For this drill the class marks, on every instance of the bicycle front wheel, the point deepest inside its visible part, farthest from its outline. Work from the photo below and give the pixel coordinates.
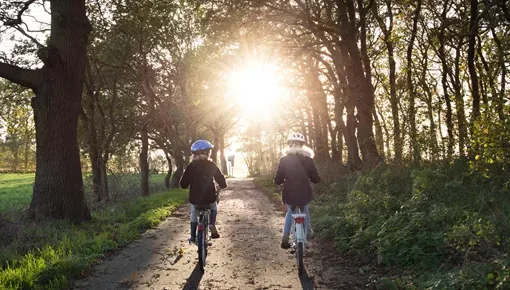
(299, 256)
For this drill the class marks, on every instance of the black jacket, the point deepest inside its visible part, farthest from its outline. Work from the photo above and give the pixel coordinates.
(199, 176)
(295, 171)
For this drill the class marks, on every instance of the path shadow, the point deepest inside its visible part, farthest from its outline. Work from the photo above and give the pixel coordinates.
(194, 279)
(306, 281)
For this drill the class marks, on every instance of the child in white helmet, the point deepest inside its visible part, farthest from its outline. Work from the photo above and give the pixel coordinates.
(295, 171)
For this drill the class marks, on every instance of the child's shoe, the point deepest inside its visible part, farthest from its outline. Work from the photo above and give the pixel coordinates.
(193, 237)
(285, 241)
(214, 232)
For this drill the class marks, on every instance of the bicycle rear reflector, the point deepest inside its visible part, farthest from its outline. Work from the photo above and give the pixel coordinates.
(300, 220)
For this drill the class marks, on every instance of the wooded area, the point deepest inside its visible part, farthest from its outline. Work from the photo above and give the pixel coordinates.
(106, 87)
(368, 82)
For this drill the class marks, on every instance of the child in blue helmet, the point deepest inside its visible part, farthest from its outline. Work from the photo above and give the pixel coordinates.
(199, 176)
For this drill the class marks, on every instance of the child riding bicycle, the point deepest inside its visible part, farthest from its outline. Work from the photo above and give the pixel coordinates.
(295, 171)
(199, 176)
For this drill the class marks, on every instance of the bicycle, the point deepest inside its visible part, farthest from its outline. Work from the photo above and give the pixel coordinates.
(203, 235)
(298, 232)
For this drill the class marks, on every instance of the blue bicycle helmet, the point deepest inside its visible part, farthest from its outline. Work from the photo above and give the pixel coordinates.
(201, 145)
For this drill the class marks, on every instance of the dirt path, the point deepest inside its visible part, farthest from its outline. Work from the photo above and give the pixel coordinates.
(247, 256)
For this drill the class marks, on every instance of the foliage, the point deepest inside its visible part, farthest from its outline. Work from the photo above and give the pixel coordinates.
(17, 150)
(491, 138)
(440, 226)
(48, 255)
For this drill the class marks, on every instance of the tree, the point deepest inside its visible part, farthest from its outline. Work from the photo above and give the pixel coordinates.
(58, 188)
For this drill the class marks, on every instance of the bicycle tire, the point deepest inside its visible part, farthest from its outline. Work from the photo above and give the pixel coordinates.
(299, 257)
(204, 245)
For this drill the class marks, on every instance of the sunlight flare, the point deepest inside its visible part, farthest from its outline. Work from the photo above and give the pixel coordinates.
(256, 88)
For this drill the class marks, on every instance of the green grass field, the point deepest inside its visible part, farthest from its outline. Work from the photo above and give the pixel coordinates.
(16, 188)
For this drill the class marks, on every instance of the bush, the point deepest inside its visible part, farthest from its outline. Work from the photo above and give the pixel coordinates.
(421, 219)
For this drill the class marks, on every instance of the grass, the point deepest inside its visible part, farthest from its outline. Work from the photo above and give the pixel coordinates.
(15, 191)
(16, 188)
(49, 255)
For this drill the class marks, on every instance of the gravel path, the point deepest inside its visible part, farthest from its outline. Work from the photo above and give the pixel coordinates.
(247, 256)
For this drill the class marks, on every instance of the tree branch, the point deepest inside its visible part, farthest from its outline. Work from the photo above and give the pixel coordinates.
(26, 77)
(39, 45)
(17, 20)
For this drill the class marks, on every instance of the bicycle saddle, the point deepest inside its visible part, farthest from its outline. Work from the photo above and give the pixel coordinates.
(301, 207)
(202, 207)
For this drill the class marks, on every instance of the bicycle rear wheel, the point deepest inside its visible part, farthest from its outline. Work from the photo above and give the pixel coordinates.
(299, 257)
(202, 244)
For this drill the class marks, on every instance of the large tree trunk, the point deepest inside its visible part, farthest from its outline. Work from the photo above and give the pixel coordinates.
(58, 188)
(144, 164)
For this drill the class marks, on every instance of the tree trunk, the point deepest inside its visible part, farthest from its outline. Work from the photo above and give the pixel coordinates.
(26, 153)
(394, 102)
(379, 137)
(316, 96)
(96, 173)
(459, 102)
(58, 188)
(362, 93)
(223, 159)
(368, 73)
(104, 178)
(144, 164)
(473, 31)
(444, 83)
(169, 172)
(216, 144)
(353, 160)
(410, 87)
(179, 163)
(311, 129)
(501, 61)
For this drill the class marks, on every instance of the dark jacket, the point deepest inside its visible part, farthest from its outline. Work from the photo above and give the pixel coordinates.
(295, 171)
(199, 176)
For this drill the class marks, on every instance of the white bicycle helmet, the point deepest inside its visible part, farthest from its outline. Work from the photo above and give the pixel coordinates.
(296, 137)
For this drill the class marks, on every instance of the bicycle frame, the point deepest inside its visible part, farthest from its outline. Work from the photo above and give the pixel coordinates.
(298, 226)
